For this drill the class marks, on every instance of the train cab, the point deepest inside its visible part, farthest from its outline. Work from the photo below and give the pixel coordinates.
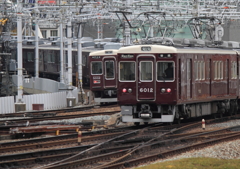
(103, 78)
(147, 83)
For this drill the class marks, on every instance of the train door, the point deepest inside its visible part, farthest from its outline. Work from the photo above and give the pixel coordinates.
(110, 73)
(209, 76)
(179, 79)
(146, 78)
(189, 78)
(227, 74)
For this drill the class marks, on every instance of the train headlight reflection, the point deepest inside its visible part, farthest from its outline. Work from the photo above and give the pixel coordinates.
(124, 90)
(163, 90)
(129, 90)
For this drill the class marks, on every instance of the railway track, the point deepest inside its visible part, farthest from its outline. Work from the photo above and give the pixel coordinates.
(49, 113)
(118, 148)
(122, 140)
(6, 123)
(40, 143)
(140, 149)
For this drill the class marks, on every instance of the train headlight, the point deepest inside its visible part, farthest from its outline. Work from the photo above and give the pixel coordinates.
(124, 90)
(168, 90)
(129, 90)
(163, 90)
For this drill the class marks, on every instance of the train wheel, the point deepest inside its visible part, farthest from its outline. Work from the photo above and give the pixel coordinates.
(136, 123)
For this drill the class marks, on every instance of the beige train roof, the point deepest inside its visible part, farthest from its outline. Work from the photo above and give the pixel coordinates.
(169, 49)
(207, 50)
(103, 52)
(154, 49)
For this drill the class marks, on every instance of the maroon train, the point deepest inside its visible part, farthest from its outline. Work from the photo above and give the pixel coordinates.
(103, 77)
(162, 83)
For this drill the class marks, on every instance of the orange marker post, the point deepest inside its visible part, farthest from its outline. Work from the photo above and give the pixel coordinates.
(57, 132)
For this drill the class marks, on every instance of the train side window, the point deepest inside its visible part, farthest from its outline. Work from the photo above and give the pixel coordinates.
(199, 70)
(221, 70)
(109, 66)
(196, 69)
(234, 70)
(218, 70)
(203, 70)
(146, 71)
(127, 71)
(96, 68)
(165, 71)
(215, 70)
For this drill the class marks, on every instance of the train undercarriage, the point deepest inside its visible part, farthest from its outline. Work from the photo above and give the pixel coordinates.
(148, 113)
(106, 96)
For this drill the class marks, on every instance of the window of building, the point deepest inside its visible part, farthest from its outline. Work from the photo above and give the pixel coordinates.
(30, 56)
(44, 34)
(53, 33)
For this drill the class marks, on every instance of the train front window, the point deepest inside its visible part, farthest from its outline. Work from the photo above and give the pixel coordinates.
(96, 68)
(127, 71)
(109, 65)
(146, 71)
(165, 71)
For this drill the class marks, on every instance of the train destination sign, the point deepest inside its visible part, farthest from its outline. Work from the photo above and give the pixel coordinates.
(126, 56)
(95, 57)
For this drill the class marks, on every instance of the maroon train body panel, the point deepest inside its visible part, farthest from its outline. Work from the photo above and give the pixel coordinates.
(103, 78)
(172, 83)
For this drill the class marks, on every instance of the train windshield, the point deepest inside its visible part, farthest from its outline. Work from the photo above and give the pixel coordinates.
(127, 71)
(109, 65)
(165, 71)
(96, 68)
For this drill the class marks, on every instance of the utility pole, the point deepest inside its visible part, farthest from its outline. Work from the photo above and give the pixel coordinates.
(81, 92)
(36, 40)
(71, 100)
(19, 104)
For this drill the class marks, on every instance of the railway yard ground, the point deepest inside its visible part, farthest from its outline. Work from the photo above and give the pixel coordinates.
(110, 144)
(224, 155)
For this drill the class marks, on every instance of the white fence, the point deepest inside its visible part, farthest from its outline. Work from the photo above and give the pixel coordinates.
(7, 105)
(50, 96)
(49, 100)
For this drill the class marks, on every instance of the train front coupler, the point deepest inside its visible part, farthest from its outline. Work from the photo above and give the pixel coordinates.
(145, 111)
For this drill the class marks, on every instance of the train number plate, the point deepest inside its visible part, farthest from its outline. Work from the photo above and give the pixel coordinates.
(145, 115)
(149, 90)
